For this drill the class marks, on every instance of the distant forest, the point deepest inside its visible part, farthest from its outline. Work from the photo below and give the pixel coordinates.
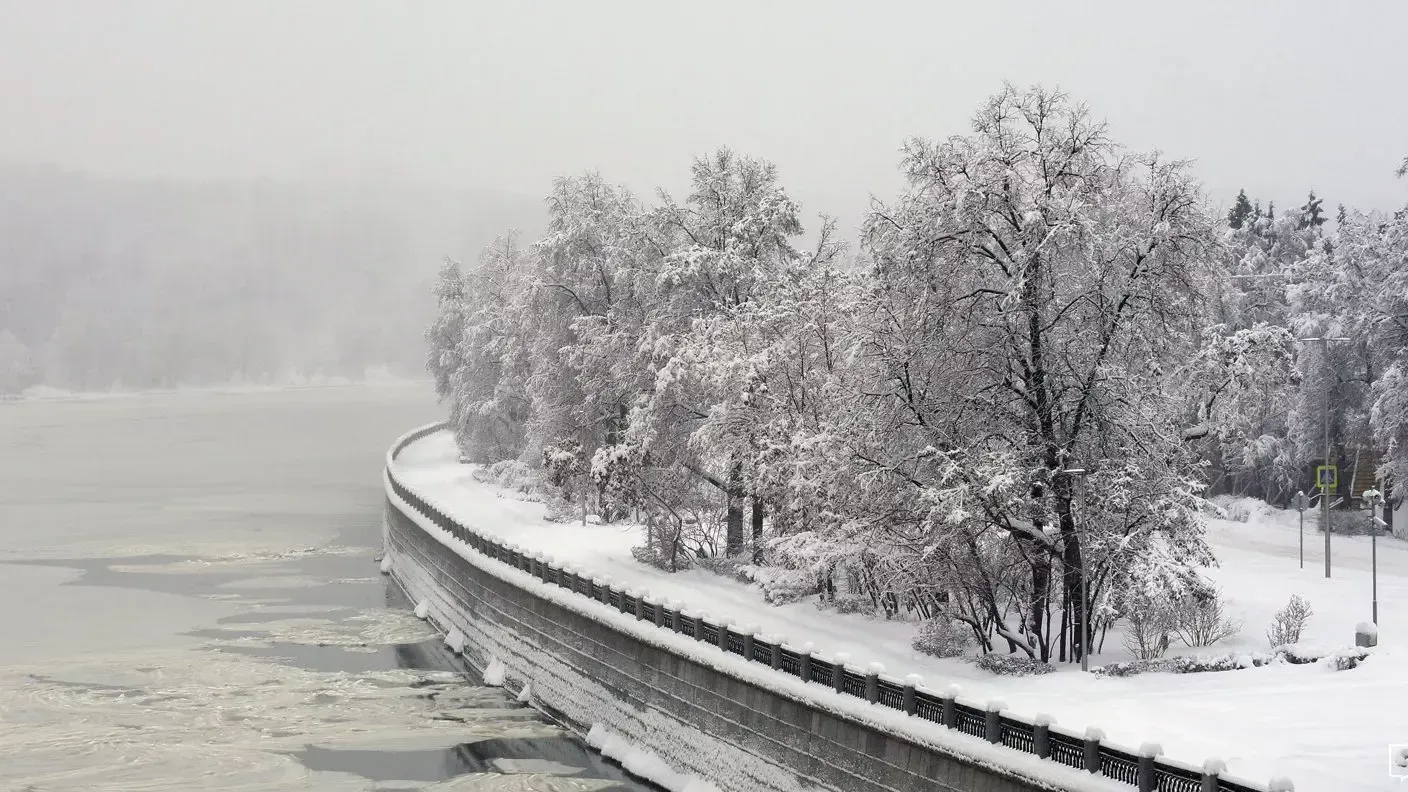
(110, 283)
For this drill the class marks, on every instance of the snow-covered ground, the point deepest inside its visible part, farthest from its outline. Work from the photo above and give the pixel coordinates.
(1329, 731)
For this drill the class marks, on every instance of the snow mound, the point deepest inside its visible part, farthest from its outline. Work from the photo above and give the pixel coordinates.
(455, 640)
(642, 763)
(494, 674)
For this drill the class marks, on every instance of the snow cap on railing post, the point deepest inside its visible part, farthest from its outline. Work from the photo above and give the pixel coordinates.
(1093, 736)
(950, 706)
(1213, 768)
(1041, 734)
(838, 671)
(872, 681)
(992, 728)
(908, 699)
(1280, 784)
(1145, 777)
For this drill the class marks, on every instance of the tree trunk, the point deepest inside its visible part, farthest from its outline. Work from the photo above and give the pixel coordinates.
(734, 519)
(1072, 561)
(757, 531)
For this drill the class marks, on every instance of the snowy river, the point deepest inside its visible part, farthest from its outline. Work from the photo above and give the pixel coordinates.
(189, 599)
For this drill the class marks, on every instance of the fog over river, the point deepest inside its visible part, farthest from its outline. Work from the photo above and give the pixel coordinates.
(191, 601)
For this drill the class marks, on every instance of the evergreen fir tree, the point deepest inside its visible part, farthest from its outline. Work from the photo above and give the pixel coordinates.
(1241, 210)
(1311, 214)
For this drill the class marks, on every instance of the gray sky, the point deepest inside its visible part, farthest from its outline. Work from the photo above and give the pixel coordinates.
(1277, 96)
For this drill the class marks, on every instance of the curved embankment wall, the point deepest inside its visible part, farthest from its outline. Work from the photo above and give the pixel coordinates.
(710, 703)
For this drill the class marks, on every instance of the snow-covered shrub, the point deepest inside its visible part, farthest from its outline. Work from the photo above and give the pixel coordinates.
(1233, 508)
(1130, 668)
(1344, 659)
(1346, 523)
(780, 586)
(1012, 665)
(1289, 622)
(1340, 660)
(1187, 664)
(853, 604)
(1147, 628)
(942, 637)
(561, 510)
(1201, 619)
(724, 566)
(511, 476)
(655, 555)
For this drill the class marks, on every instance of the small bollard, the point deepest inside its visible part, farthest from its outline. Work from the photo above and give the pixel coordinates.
(838, 672)
(640, 605)
(1144, 774)
(675, 615)
(804, 663)
(776, 657)
(992, 729)
(950, 709)
(1366, 635)
(1213, 769)
(723, 634)
(659, 613)
(748, 640)
(1093, 736)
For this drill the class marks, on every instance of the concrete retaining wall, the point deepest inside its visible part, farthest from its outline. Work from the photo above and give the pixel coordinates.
(740, 736)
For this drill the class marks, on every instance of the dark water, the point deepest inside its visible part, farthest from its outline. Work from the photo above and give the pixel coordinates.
(195, 603)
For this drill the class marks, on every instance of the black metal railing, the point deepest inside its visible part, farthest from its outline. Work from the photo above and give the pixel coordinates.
(1059, 746)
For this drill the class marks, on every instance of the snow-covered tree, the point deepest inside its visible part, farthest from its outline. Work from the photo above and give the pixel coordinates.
(1357, 290)
(583, 316)
(722, 247)
(1036, 288)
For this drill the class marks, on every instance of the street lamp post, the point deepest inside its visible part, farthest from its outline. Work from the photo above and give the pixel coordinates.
(1301, 502)
(1373, 497)
(1324, 487)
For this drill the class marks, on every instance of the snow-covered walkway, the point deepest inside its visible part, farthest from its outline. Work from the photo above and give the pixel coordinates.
(1329, 731)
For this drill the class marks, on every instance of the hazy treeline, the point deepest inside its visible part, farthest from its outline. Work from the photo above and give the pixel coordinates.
(113, 283)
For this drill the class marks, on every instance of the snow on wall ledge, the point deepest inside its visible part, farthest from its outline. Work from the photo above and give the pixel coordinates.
(734, 724)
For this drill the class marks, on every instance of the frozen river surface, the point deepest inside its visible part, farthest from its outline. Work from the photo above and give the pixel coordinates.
(189, 599)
